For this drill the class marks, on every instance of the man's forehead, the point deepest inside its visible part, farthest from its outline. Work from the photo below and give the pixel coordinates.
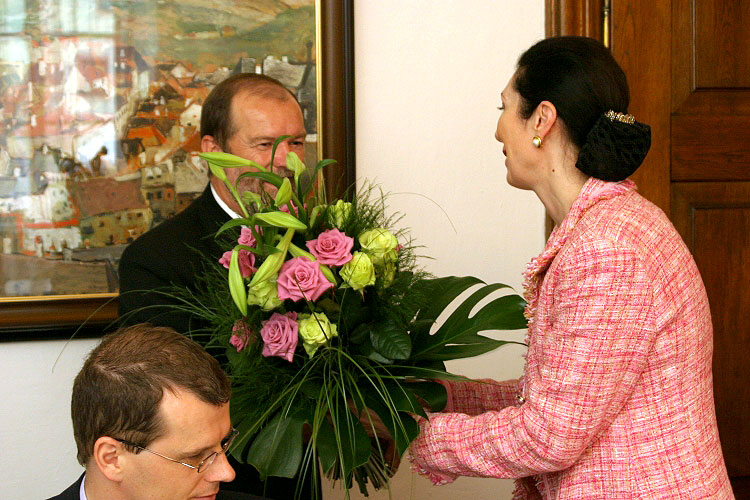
(184, 413)
(252, 108)
(257, 100)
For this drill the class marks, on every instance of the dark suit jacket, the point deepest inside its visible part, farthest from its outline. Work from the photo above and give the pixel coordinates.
(73, 493)
(172, 253)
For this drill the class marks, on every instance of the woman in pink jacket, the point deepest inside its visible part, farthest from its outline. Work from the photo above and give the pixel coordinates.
(616, 400)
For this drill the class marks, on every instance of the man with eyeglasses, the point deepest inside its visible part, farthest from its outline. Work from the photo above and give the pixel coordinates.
(150, 412)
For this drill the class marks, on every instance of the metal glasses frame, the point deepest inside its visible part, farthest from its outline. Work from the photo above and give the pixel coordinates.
(204, 464)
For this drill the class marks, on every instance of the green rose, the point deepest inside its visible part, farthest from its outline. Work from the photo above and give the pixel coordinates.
(315, 330)
(380, 245)
(358, 272)
(340, 213)
(264, 294)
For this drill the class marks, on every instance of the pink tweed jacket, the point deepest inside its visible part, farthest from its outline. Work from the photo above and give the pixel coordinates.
(616, 401)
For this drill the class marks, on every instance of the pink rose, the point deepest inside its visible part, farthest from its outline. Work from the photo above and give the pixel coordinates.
(226, 259)
(246, 261)
(285, 208)
(279, 333)
(242, 335)
(301, 278)
(246, 236)
(332, 248)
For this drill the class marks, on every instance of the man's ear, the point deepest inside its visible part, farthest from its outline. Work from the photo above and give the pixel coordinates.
(109, 458)
(544, 118)
(209, 145)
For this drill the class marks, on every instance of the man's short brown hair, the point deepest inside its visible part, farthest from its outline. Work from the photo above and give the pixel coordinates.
(118, 391)
(216, 119)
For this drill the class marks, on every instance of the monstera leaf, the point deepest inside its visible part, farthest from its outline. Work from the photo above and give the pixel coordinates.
(458, 336)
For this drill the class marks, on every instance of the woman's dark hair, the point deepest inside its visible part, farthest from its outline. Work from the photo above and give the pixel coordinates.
(583, 81)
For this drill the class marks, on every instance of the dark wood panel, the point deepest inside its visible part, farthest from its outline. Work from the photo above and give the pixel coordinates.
(710, 60)
(709, 142)
(713, 102)
(741, 488)
(724, 275)
(646, 62)
(683, 82)
(579, 17)
(690, 196)
(710, 148)
(722, 56)
(714, 220)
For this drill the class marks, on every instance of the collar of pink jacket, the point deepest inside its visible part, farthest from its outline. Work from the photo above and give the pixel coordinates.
(592, 192)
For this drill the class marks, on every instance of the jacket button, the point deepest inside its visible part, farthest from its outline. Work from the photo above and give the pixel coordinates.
(521, 399)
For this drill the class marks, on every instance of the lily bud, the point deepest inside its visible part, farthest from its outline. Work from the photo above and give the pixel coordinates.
(280, 219)
(315, 213)
(218, 172)
(226, 160)
(295, 164)
(273, 262)
(236, 283)
(284, 194)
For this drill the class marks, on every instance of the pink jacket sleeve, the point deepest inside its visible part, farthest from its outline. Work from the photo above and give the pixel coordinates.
(593, 331)
(476, 397)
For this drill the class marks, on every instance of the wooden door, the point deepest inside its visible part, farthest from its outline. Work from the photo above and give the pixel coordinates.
(710, 195)
(688, 66)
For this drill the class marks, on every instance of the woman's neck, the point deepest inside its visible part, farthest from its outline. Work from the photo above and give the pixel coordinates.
(561, 186)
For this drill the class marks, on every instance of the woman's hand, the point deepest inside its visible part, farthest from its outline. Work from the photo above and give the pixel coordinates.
(386, 445)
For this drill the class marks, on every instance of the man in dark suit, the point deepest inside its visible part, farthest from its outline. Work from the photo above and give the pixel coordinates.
(150, 411)
(74, 493)
(243, 115)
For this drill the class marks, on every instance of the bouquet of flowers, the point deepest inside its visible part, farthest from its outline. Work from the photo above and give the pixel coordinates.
(326, 324)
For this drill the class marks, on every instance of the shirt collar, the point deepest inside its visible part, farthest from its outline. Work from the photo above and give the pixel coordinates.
(231, 213)
(82, 491)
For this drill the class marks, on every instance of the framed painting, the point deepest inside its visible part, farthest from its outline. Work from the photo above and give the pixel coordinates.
(100, 104)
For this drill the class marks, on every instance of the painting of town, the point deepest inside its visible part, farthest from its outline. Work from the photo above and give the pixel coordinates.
(100, 103)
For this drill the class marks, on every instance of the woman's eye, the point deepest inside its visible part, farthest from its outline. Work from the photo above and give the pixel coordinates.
(501, 108)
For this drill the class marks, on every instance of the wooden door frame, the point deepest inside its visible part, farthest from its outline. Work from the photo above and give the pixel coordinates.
(573, 17)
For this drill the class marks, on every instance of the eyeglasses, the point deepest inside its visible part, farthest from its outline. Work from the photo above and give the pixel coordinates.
(205, 463)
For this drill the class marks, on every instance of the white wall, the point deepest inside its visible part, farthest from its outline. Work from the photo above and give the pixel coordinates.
(38, 453)
(428, 80)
